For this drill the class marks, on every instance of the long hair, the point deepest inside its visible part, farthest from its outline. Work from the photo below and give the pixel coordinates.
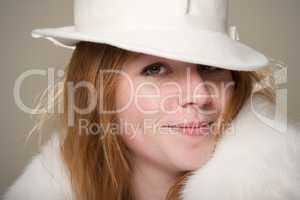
(100, 167)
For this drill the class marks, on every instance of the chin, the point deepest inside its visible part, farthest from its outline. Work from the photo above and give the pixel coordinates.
(191, 165)
(188, 159)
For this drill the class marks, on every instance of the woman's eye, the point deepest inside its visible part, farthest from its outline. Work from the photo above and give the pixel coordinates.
(207, 68)
(154, 69)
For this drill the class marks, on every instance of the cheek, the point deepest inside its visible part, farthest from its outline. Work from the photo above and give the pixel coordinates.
(139, 132)
(140, 136)
(225, 93)
(223, 90)
(143, 98)
(136, 119)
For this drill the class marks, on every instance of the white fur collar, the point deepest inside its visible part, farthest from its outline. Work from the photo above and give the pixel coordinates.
(252, 161)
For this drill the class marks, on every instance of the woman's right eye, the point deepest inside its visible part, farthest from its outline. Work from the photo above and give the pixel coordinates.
(154, 69)
(209, 69)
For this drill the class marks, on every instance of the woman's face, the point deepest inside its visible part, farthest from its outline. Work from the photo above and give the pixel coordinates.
(159, 100)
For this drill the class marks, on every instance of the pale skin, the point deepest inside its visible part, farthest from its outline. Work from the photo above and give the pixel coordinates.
(157, 92)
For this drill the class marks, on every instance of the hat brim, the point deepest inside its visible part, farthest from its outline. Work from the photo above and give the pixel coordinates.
(197, 46)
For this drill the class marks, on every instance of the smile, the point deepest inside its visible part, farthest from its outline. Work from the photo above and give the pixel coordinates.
(202, 129)
(198, 131)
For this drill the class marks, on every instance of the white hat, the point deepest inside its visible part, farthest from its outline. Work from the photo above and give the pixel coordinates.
(194, 31)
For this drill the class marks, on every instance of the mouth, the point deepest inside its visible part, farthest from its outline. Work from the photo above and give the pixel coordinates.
(192, 128)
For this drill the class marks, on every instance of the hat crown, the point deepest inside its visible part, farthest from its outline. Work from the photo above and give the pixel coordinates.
(193, 31)
(128, 14)
(208, 8)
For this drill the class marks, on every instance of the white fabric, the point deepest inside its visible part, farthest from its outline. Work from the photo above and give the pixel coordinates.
(254, 162)
(193, 31)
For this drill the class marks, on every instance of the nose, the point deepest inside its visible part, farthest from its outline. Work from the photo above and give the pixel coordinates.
(196, 92)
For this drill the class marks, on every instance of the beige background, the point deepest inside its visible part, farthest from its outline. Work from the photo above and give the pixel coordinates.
(271, 26)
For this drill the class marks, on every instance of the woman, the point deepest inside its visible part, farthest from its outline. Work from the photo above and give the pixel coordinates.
(159, 107)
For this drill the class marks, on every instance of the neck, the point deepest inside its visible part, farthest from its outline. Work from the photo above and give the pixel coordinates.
(151, 182)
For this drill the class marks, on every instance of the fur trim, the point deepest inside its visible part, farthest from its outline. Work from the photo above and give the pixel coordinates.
(252, 161)
(44, 178)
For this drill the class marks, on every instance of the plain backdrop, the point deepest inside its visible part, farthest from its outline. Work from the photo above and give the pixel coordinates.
(271, 26)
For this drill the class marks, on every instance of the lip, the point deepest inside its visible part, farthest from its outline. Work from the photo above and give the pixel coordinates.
(194, 128)
(193, 124)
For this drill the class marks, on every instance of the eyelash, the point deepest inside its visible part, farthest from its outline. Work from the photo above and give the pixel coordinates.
(208, 68)
(200, 68)
(146, 70)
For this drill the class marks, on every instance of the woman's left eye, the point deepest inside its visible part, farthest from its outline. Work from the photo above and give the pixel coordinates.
(207, 68)
(154, 69)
